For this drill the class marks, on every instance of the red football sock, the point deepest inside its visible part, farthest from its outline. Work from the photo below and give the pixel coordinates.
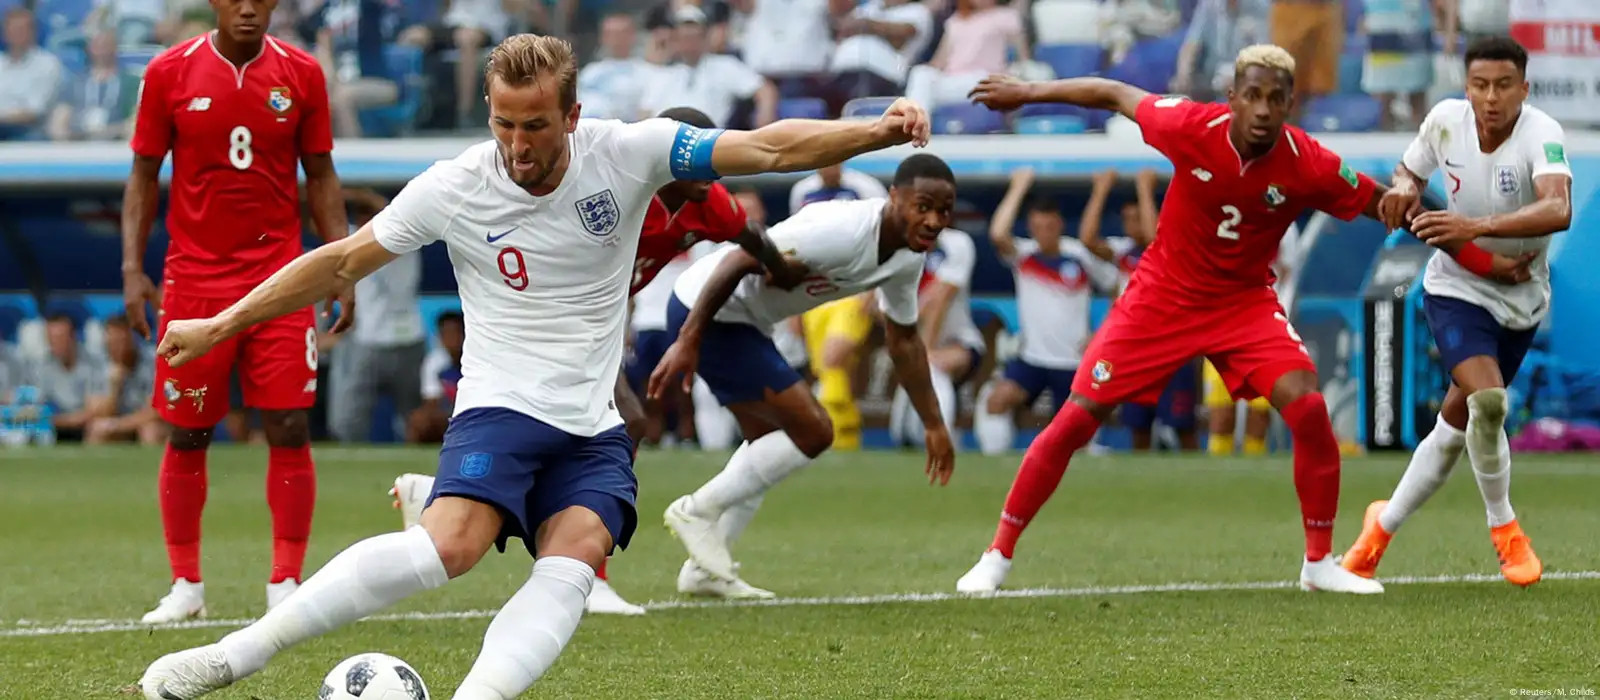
(1316, 470)
(183, 498)
(601, 572)
(292, 496)
(1042, 467)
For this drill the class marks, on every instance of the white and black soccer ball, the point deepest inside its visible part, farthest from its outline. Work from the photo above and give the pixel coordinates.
(373, 677)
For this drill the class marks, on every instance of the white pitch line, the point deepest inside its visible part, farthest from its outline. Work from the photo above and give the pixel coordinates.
(81, 627)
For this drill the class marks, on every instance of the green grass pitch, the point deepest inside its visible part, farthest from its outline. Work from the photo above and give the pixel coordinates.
(1146, 576)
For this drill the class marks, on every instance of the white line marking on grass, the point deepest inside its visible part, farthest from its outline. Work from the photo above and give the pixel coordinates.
(79, 627)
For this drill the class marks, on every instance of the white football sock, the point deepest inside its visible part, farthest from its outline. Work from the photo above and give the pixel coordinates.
(1430, 464)
(995, 431)
(1490, 452)
(527, 635)
(369, 576)
(750, 473)
(736, 518)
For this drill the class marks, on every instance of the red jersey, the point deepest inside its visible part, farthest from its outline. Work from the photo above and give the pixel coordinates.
(236, 135)
(667, 235)
(1222, 218)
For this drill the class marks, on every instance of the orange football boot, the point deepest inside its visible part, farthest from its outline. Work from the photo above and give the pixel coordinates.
(1518, 563)
(1363, 557)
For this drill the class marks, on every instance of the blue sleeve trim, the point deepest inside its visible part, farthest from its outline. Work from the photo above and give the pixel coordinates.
(691, 153)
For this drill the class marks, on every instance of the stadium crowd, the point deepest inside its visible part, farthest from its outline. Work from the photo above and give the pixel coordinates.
(70, 68)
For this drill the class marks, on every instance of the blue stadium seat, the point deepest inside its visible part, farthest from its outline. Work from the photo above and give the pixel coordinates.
(59, 15)
(1093, 119)
(1348, 113)
(404, 67)
(134, 59)
(11, 316)
(1160, 54)
(74, 61)
(802, 108)
(1070, 60)
(866, 107)
(967, 119)
(1051, 124)
(1351, 66)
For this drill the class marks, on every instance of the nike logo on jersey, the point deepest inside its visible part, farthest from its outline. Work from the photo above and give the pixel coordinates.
(492, 238)
(199, 104)
(1450, 164)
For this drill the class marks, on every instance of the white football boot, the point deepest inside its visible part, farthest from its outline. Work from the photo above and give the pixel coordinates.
(696, 581)
(186, 601)
(186, 675)
(410, 495)
(987, 576)
(1327, 575)
(280, 591)
(702, 538)
(604, 600)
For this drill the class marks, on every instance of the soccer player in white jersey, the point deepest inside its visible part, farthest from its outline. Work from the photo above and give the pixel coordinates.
(542, 224)
(1055, 280)
(719, 309)
(1509, 187)
(955, 345)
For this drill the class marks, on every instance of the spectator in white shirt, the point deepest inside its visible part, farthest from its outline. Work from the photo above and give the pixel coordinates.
(879, 42)
(29, 77)
(660, 20)
(131, 376)
(440, 373)
(611, 87)
(976, 39)
(786, 38)
(98, 105)
(712, 83)
(380, 354)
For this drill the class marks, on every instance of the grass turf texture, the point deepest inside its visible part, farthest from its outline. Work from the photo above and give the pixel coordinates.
(83, 542)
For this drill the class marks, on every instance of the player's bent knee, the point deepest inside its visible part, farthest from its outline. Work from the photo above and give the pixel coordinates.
(1099, 411)
(814, 434)
(1293, 386)
(1489, 406)
(576, 532)
(286, 428)
(462, 530)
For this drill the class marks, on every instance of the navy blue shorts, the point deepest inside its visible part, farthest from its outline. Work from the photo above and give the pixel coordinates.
(648, 347)
(1035, 379)
(1175, 408)
(738, 361)
(530, 471)
(1462, 329)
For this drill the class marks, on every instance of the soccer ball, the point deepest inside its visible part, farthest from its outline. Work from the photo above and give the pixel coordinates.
(373, 677)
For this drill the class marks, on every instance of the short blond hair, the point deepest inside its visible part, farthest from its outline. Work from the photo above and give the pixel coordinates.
(524, 58)
(1265, 56)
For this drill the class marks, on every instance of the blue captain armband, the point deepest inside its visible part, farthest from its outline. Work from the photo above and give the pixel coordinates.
(691, 153)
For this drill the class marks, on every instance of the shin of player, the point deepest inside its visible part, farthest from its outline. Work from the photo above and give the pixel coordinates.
(1510, 188)
(234, 219)
(510, 423)
(847, 248)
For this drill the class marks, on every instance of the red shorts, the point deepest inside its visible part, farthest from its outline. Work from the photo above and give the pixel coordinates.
(276, 363)
(1145, 339)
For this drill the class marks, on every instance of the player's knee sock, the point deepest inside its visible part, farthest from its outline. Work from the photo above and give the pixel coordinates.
(751, 471)
(1254, 446)
(1490, 452)
(182, 483)
(994, 431)
(1219, 445)
(292, 497)
(1042, 468)
(371, 575)
(1436, 455)
(736, 518)
(528, 634)
(1316, 470)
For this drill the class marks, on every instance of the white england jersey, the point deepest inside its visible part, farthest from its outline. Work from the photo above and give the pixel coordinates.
(1482, 184)
(1053, 295)
(544, 280)
(951, 261)
(838, 242)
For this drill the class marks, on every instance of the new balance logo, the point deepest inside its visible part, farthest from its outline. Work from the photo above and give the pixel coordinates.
(1201, 174)
(199, 104)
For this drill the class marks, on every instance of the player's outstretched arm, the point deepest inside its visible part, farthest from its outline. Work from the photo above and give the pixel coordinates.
(328, 216)
(310, 278)
(1398, 208)
(140, 198)
(1550, 213)
(1005, 215)
(781, 273)
(792, 145)
(681, 359)
(910, 359)
(1005, 93)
